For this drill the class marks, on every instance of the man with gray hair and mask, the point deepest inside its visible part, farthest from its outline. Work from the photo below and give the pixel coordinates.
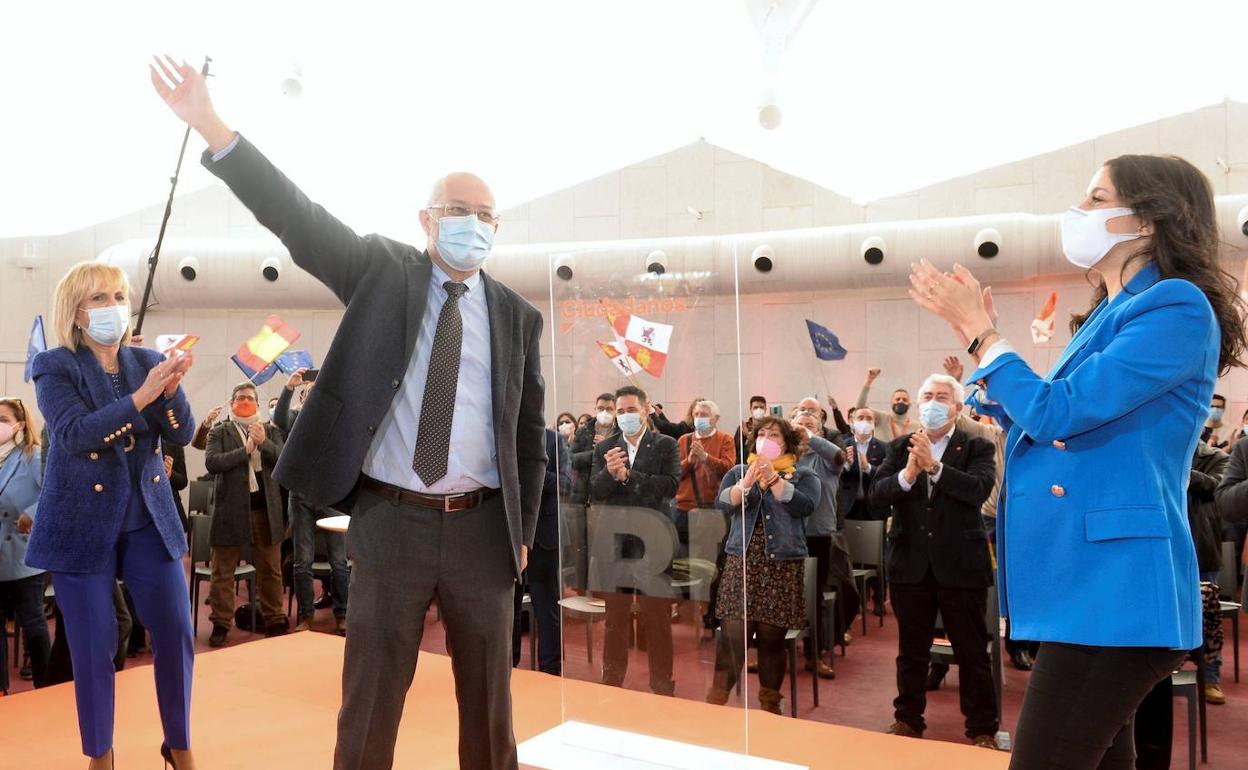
(431, 353)
(936, 479)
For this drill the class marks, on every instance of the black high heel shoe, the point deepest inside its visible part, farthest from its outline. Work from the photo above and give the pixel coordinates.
(167, 755)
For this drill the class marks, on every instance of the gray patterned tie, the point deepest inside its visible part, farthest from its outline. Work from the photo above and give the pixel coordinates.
(433, 437)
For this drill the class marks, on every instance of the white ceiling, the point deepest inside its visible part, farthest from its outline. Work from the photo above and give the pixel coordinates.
(878, 97)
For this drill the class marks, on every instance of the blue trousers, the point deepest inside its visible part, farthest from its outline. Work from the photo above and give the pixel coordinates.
(158, 585)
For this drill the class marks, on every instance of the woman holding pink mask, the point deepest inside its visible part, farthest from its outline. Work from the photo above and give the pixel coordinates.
(768, 500)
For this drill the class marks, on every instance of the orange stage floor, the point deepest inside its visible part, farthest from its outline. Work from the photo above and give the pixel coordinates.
(273, 704)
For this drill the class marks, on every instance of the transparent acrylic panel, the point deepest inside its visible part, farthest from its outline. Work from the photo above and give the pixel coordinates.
(642, 538)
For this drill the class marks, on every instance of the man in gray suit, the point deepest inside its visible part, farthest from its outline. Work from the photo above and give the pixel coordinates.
(431, 354)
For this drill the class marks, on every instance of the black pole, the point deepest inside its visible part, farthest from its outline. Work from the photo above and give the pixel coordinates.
(164, 222)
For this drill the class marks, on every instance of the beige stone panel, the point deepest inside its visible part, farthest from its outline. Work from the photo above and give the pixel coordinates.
(896, 209)
(550, 218)
(1138, 139)
(1019, 172)
(1201, 138)
(596, 228)
(691, 179)
(739, 197)
(835, 209)
(643, 208)
(598, 197)
(787, 218)
(1004, 200)
(948, 199)
(1062, 176)
(781, 189)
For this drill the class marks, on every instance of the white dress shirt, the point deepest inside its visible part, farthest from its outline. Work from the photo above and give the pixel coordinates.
(473, 460)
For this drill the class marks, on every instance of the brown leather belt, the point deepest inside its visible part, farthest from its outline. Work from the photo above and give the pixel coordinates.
(445, 503)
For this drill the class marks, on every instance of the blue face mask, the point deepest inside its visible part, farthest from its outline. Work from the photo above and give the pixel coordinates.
(933, 415)
(703, 424)
(1215, 413)
(629, 422)
(464, 242)
(107, 325)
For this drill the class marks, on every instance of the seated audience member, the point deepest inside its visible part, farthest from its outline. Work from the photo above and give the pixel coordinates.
(200, 441)
(936, 480)
(247, 511)
(823, 460)
(758, 410)
(761, 594)
(898, 422)
(21, 587)
(542, 575)
(1217, 433)
(636, 468)
(303, 518)
(585, 442)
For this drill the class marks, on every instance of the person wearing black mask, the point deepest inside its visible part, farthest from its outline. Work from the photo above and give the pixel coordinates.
(895, 423)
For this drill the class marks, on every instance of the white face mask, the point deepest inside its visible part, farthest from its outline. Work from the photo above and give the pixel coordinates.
(759, 414)
(107, 325)
(1085, 239)
(605, 418)
(567, 428)
(863, 428)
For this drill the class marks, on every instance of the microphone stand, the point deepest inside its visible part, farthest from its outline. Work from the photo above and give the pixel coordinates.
(164, 222)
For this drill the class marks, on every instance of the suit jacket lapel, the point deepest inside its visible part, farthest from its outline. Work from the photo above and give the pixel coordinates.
(500, 333)
(643, 449)
(10, 468)
(98, 385)
(416, 273)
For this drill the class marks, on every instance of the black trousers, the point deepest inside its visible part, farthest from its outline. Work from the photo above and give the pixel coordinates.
(962, 610)
(1154, 728)
(1081, 702)
(542, 580)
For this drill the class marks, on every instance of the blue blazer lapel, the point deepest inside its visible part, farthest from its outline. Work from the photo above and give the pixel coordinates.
(132, 372)
(10, 468)
(1148, 275)
(97, 382)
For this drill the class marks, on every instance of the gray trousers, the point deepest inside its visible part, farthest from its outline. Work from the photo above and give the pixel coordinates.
(405, 556)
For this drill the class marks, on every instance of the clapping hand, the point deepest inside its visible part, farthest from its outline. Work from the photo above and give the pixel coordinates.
(617, 464)
(181, 365)
(168, 465)
(921, 450)
(255, 436)
(697, 451)
(956, 297)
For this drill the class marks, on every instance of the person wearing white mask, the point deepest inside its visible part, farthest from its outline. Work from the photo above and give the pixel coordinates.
(432, 353)
(1100, 452)
(586, 440)
(706, 454)
(936, 481)
(636, 468)
(758, 410)
(1217, 433)
(106, 508)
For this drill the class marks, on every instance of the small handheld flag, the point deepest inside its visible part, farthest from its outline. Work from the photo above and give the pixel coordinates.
(37, 343)
(255, 357)
(170, 343)
(827, 346)
(1042, 327)
(293, 360)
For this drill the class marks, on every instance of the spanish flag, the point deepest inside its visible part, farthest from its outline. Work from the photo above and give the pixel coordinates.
(260, 351)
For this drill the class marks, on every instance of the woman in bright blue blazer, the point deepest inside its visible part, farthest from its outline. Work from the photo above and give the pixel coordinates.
(107, 510)
(1096, 560)
(21, 587)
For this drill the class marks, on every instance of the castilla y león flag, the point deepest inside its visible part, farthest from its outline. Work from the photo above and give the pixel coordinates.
(645, 342)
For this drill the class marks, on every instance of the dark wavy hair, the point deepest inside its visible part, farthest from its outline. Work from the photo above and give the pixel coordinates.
(1176, 198)
(792, 444)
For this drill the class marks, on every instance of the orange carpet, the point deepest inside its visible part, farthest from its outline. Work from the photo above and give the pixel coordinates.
(273, 704)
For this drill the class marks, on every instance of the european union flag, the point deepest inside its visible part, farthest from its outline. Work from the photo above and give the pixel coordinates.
(827, 346)
(37, 344)
(293, 360)
(257, 378)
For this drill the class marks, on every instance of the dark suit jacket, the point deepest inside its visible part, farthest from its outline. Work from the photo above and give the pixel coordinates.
(653, 475)
(226, 460)
(177, 479)
(384, 285)
(946, 531)
(558, 483)
(877, 453)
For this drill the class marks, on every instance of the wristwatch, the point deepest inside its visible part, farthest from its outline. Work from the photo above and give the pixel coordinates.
(935, 469)
(978, 343)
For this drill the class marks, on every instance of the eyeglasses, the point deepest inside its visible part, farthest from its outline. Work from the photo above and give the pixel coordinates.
(459, 210)
(241, 397)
